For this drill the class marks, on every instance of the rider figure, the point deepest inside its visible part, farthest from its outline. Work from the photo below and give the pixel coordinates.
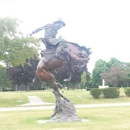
(50, 39)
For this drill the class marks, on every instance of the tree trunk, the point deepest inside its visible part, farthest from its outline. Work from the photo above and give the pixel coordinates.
(16, 87)
(68, 86)
(27, 87)
(0, 88)
(79, 86)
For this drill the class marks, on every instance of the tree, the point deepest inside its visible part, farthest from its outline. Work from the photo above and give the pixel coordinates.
(14, 48)
(113, 62)
(114, 77)
(125, 67)
(100, 67)
(4, 80)
(83, 79)
(23, 74)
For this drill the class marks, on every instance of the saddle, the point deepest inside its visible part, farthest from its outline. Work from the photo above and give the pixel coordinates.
(67, 52)
(48, 54)
(53, 51)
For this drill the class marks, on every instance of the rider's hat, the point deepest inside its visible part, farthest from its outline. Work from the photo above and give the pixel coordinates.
(60, 21)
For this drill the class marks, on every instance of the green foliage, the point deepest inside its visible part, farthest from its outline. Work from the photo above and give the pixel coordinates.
(126, 71)
(4, 80)
(127, 91)
(100, 67)
(113, 62)
(115, 73)
(95, 92)
(14, 48)
(111, 92)
(8, 27)
(83, 79)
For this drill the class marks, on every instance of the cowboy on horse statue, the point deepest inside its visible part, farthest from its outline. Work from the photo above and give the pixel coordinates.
(50, 39)
(59, 45)
(59, 53)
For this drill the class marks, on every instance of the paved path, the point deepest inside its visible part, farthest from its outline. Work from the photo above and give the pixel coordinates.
(35, 103)
(34, 100)
(52, 107)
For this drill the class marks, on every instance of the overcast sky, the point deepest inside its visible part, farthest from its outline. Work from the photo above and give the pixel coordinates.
(103, 25)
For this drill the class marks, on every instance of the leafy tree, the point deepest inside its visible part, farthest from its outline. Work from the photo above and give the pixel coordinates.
(23, 74)
(100, 67)
(83, 78)
(113, 62)
(125, 67)
(122, 70)
(4, 81)
(14, 48)
(114, 77)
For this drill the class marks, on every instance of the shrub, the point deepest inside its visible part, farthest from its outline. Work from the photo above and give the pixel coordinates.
(127, 91)
(95, 92)
(112, 92)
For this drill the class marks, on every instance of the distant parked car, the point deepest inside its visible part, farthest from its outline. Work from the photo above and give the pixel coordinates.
(88, 89)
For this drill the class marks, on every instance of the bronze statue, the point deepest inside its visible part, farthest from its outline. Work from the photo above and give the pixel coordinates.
(58, 53)
(51, 31)
(50, 62)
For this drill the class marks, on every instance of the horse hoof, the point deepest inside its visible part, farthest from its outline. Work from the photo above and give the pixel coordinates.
(33, 80)
(59, 85)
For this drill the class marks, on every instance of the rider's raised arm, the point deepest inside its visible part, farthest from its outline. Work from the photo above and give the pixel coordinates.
(41, 28)
(38, 29)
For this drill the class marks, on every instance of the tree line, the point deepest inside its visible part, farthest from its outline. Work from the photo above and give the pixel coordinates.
(114, 72)
(15, 50)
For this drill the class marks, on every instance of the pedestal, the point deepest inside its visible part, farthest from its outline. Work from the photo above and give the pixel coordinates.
(64, 110)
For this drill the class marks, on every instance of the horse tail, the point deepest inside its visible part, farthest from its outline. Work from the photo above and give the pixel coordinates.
(67, 80)
(36, 81)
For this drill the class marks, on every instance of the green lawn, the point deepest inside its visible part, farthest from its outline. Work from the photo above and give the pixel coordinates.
(78, 96)
(111, 118)
(104, 118)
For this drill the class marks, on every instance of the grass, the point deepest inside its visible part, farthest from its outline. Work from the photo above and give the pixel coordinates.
(78, 96)
(110, 118)
(104, 118)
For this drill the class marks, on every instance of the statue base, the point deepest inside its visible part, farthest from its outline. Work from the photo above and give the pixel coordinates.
(64, 110)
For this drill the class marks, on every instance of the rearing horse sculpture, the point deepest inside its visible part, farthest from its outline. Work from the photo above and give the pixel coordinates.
(46, 66)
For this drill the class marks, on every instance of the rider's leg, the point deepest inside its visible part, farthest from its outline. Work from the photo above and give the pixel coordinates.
(61, 49)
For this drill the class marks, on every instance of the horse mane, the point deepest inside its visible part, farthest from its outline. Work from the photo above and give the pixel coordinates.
(82, 47)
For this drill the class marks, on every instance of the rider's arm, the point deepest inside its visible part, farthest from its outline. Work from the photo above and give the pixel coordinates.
(38, 29)
(41, 28)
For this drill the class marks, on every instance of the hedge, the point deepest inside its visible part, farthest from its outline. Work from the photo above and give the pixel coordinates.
(127, 91)
(111, 92)
(95, 92)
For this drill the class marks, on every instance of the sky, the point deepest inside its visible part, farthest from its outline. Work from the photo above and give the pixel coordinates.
(102, 25)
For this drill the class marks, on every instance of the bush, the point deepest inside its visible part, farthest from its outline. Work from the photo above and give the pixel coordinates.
(95, 92)
(127, 91)
(112, 92)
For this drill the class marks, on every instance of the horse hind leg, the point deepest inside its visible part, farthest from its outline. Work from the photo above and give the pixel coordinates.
(49, 78)
(55, 88)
